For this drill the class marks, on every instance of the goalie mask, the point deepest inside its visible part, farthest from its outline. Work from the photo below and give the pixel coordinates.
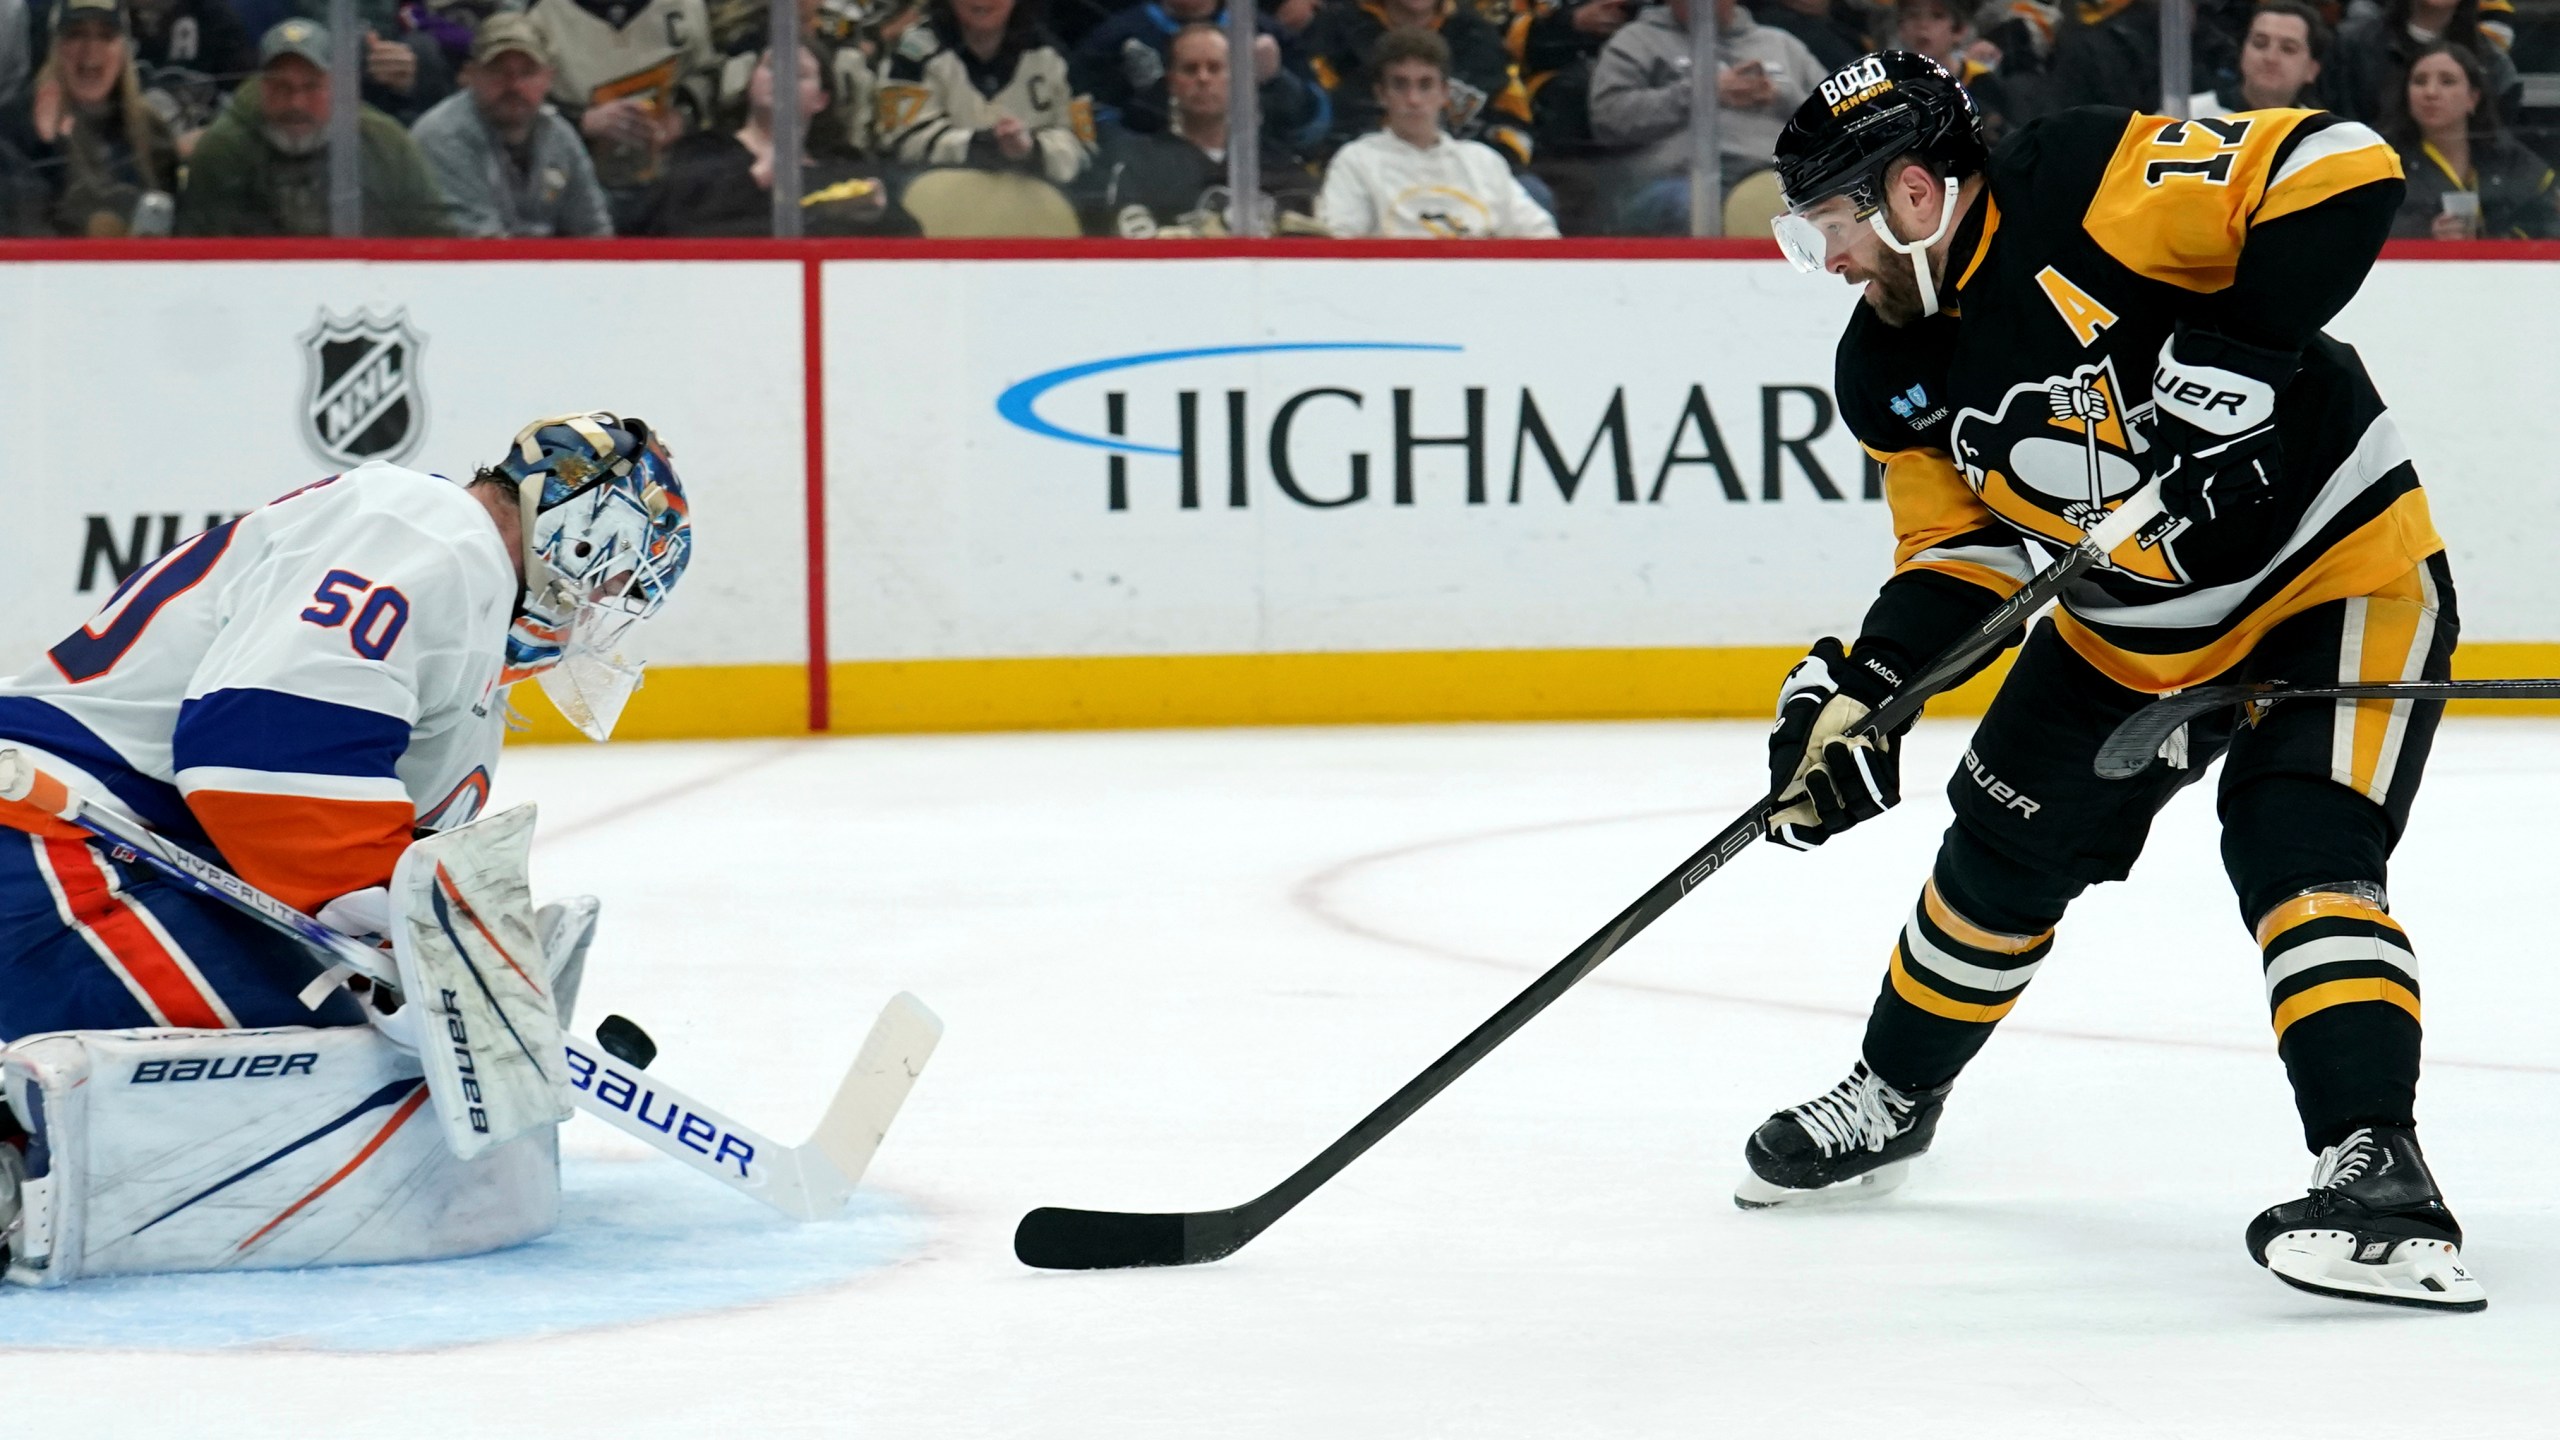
(1851, 130)
(606, 537)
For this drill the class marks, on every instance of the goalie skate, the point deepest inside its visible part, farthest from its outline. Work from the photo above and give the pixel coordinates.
(1855, 1141)
(2373, 1227)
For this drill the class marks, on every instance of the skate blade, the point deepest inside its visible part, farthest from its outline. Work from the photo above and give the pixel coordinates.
(2420, 1274)
(1755, 1193)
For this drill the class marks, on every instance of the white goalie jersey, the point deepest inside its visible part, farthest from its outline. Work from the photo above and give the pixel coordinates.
(302, 687)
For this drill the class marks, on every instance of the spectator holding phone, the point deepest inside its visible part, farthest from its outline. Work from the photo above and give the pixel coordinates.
(2469, 178)
(1640, 99)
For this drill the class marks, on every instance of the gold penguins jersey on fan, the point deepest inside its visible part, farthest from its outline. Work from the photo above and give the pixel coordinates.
(2009, 423)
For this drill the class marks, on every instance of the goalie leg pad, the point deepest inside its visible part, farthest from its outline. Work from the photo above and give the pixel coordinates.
(175, 1151)
(470, 958)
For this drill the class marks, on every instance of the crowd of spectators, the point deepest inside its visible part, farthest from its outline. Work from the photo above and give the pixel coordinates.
(1442, 118)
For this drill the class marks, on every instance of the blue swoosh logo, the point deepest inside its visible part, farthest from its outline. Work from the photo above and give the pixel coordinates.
(1018, 404)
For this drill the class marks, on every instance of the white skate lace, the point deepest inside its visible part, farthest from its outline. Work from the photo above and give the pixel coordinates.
(1859, 1112)
(2344, 1163)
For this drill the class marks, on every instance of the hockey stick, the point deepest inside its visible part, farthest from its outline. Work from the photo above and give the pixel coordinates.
(2133, 745)
(1061, 1239)
(810, 1181)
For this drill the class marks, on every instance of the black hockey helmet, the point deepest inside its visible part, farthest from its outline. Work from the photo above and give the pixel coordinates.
(1867, 114)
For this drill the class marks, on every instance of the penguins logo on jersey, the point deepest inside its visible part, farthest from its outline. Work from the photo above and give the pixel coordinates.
(361, 399)
(2058, 455)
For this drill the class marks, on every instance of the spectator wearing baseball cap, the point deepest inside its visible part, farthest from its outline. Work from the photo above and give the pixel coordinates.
(263, 167)
(100, 153)
(507, 163)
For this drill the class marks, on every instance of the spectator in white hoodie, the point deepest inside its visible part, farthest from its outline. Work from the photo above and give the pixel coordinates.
(1411, 180)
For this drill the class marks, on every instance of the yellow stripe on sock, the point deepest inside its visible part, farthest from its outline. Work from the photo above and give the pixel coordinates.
(2343, 992)
(1965, 932)
(2319, 905)
(1939, 1005)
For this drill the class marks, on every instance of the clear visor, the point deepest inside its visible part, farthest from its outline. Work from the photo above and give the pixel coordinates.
(1800, 240)
(597, 671)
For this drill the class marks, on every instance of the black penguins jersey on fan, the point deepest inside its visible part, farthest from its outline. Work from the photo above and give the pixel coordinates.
(2008, 423)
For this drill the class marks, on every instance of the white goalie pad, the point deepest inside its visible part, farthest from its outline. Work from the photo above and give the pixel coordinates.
(472, 963)
(180, 1151)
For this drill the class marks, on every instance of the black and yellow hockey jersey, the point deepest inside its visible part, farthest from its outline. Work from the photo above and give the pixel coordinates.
(2009, 423)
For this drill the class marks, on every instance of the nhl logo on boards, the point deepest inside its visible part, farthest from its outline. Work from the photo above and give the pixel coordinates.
(361, 399)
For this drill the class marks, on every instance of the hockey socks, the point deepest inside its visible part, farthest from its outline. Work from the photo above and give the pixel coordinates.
(2342, 992)
(1950, 980)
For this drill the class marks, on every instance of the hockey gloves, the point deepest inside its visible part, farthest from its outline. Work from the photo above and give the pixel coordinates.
(1827, 780)
(2215, 433)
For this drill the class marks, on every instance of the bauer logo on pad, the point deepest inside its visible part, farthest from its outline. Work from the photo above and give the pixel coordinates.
(361, 400)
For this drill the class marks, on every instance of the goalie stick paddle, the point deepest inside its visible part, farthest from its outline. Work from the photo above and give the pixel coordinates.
(2136, 742)
(1055, 1238)
(809, 1181)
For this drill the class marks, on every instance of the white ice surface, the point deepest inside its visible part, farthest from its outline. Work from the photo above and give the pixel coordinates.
(1176, 965)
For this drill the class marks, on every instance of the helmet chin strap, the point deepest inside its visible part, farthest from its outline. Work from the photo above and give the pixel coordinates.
(1918, 250)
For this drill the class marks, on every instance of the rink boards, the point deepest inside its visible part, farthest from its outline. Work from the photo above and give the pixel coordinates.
(1009, 487)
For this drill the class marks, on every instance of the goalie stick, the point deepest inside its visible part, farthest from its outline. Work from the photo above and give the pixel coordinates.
(810, 1181)
(1054, 1238)
(2130, 749)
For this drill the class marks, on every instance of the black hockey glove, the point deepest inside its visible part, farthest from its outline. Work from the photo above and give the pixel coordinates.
(2215, 431)
(1832, 781)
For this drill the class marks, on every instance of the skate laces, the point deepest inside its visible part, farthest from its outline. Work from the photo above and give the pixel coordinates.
(1861, 1112)
(2346, 1162)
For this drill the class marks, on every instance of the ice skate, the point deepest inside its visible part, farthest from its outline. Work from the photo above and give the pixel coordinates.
(1853, 1142)
(2373, 1227)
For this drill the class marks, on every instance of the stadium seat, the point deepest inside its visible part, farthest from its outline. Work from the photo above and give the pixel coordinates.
(977, 204)
(1750, 206)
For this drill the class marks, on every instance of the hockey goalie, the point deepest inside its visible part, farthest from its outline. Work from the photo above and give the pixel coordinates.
(313, 696)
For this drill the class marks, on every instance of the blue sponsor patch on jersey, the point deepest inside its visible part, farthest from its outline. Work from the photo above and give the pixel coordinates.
(637, 1241)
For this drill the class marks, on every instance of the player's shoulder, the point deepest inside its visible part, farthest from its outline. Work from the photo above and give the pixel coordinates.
(1891, 381)
(390, 511)
(2052, 165)
(2064, 162)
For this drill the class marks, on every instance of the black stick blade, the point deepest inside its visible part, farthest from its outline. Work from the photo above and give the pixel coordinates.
(2137, 741)
(1053, 1239)
(1050, 1238)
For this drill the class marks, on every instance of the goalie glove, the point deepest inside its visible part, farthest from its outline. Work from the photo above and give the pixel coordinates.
(1825, 780)
(2214, 429)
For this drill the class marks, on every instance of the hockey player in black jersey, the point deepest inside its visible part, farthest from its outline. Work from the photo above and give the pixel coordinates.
(2114, 299)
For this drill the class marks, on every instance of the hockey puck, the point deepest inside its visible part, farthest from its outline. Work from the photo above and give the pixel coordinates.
(626, 1042)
